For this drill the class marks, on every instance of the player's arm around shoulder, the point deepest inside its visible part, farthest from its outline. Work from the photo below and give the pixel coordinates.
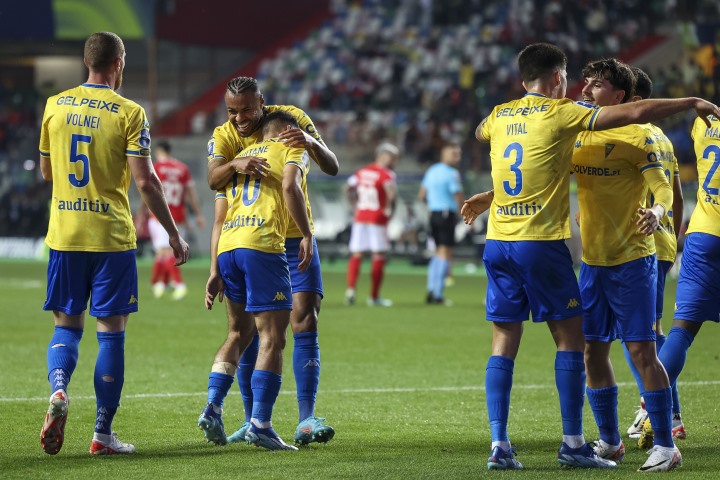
(323, 156)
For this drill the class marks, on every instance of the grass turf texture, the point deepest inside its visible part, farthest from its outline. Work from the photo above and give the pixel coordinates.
(403, 387)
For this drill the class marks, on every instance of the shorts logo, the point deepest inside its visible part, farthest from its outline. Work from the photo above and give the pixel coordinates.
(572, 303)
(132, 299)
(279, 296)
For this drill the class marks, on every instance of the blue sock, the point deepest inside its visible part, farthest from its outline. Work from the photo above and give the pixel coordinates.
(432, 273)
(603, 402)
(570, 382)
(109, 378)
(659, 407)
(244, 374)
(633, 370)
(498, 383)
(674, 352)
(62, 356)
(218, 387)
(443, 267)
(306, 366)
(265, 387)
(659, 342)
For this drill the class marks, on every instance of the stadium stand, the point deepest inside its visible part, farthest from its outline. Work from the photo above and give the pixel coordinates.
(415, 72)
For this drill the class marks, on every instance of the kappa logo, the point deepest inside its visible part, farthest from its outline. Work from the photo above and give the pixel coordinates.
(279, 296)
(313, 362)
(132, 299)
(572, 303)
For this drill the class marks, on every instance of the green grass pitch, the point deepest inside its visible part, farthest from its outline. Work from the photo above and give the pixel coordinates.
(403, 387)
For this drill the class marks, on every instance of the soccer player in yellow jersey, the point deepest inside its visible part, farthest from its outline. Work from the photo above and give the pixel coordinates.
(666, 248)
(698, 290)
(618, 276)
(251, 270)
(528, 265)
(91, 141)
(246, 108)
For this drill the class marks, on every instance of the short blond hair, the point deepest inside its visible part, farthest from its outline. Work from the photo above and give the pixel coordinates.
(101, 50)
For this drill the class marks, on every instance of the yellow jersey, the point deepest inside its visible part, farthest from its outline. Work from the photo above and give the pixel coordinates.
(665, 237)
(613, 169)
(88, 132)
(531, 141)
(706, 216)
(257, 216)
(226, 144)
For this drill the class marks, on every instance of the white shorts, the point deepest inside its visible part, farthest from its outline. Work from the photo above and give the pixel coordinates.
(158, 235)
(368, 237)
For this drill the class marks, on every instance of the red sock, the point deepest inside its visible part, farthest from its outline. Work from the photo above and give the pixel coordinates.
(353, 271)
(158, 270)
(173, 270)
(378, 270)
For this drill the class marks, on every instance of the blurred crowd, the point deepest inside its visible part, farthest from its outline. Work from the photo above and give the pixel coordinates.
(416, 72)
(23, 193)
(421, 72)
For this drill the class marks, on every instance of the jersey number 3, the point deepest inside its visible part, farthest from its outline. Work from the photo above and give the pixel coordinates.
(515, 168)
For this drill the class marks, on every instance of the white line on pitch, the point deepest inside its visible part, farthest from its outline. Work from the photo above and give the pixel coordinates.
(349, 391)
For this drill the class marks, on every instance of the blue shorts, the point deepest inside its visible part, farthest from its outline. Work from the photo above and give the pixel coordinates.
(311, 279)
(620, 301)
(259, 280)
(530, 276)
(663, 268)
(698, 290)
(108, 279)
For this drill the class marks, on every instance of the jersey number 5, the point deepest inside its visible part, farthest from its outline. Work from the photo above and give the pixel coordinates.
(79, 157)
(515, 168)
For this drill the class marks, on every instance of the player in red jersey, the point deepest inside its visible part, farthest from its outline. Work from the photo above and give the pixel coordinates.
(373, 192)
(179, 188)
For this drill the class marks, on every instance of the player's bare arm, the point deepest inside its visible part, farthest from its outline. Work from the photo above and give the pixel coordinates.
(215, 286)
(650, 218)
(295, 201)
(678, 205)
(191, 197)
(220, 171)
(474, 206)
(391, 195)
(651, 110)
(151, 191)
(46, 168)
(323, 156)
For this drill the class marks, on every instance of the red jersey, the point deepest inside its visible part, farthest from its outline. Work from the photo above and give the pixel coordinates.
(175, 178)
(372, 204)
